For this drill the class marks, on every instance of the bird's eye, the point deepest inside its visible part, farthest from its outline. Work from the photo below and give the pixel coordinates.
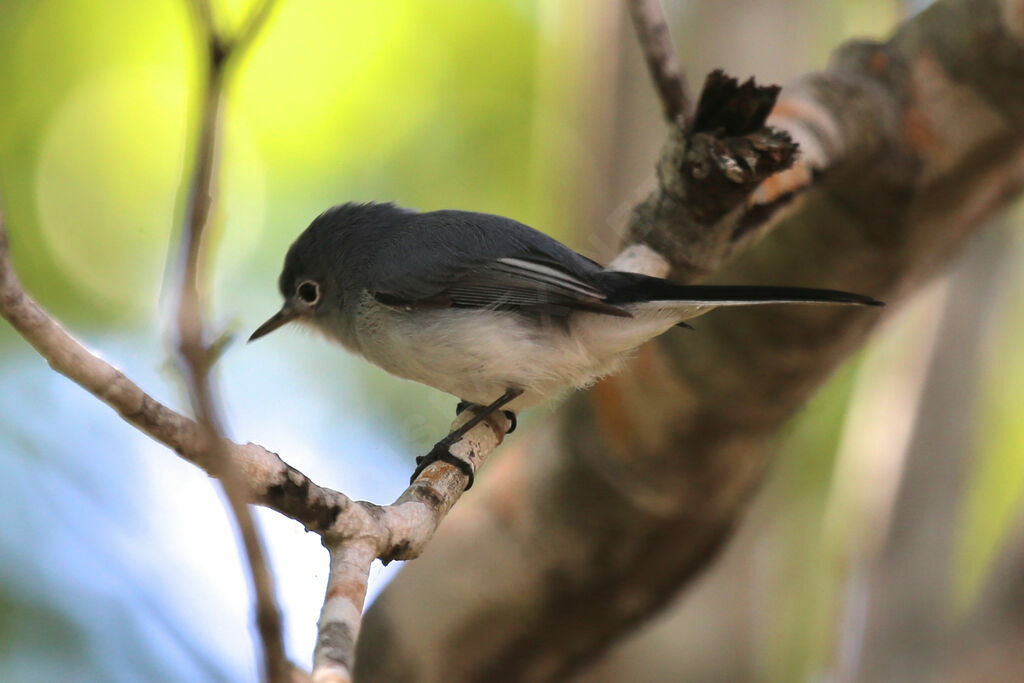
(309, 292)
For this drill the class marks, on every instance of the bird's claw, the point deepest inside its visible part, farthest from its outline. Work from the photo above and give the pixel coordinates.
(441, 451)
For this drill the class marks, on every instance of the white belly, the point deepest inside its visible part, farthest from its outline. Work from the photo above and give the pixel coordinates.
(477, 354)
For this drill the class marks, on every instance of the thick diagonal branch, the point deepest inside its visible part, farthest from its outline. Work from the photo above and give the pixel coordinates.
(916, 142)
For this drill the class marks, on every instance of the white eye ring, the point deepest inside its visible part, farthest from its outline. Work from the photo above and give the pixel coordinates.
(308, 292)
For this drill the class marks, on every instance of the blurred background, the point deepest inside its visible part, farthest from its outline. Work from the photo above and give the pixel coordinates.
(894, 502)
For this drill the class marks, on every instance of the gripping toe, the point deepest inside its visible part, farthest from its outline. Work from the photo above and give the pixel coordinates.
(441, 452)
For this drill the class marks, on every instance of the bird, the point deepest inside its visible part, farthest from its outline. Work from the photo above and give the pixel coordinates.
(483, 307)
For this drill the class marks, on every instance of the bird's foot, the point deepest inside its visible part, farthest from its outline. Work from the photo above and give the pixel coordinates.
(442, 452)
(442, 449)
(463, 406)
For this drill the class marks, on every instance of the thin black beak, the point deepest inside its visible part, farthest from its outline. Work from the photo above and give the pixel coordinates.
(282, 317)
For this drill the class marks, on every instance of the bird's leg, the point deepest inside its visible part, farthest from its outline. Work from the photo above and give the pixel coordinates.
(509, 415)
(442, 449)
(483, 412)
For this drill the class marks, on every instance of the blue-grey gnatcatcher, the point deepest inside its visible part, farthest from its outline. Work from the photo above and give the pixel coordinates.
(483, 307)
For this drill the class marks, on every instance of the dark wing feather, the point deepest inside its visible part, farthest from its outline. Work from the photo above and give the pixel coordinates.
(471, 260)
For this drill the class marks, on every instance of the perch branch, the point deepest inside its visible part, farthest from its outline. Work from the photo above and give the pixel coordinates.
(398, 531)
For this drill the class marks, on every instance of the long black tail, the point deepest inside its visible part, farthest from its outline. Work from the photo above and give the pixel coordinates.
(626, 288)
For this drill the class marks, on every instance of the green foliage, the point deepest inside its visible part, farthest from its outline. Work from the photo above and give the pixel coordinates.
(428, 104)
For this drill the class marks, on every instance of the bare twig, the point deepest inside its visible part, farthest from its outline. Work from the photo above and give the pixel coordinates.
(252, 26)
(270, 481)
(338, 627)
(197, 357)
(662, 61)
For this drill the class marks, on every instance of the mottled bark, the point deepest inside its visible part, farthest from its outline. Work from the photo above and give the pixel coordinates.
(594, 522)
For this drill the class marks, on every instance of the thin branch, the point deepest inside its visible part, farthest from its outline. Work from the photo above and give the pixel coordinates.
(341, 616)
(204, 15)
(270, 482)
(197, 358)
(662, 60)
(253, 25)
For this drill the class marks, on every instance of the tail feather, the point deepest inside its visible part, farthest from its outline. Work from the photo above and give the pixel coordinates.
(625, 288)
